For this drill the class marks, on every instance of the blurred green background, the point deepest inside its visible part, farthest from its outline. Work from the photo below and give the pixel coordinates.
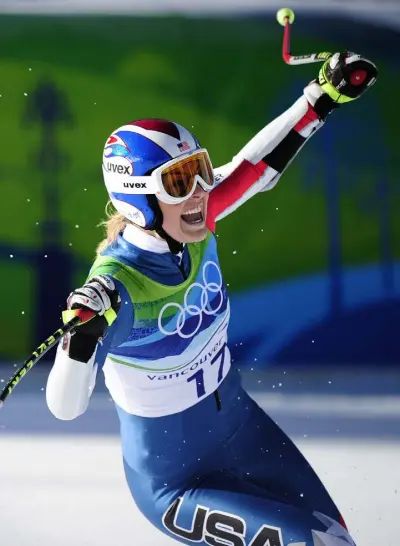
(66, 83)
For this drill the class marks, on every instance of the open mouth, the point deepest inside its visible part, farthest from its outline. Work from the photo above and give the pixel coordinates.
(194, 215)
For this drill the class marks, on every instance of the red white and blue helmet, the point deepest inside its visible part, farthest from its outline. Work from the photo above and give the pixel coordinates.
(136, 150)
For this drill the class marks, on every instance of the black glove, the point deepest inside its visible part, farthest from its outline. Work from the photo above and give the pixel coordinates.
(100, 296)
(346, 76)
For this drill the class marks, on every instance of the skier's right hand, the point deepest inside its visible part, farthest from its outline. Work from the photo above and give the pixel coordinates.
(346, 76)
(100, 296)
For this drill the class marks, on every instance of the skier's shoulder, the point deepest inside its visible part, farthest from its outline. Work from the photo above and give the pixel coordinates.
(110, 261)
(106, 263)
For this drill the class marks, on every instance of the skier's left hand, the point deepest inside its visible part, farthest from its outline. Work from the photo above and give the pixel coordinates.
(346, 76)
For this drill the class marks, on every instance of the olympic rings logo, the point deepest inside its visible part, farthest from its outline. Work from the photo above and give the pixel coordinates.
(188, 309)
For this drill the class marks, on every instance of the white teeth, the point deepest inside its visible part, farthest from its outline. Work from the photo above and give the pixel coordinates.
(198, 208)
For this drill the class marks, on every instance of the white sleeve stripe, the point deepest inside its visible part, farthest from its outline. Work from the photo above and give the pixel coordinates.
(310, 128)
(270, 136)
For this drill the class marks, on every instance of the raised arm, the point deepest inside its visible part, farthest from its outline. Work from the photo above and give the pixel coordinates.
(259, 165)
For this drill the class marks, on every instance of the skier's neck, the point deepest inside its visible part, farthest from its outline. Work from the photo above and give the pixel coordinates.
(145, 240)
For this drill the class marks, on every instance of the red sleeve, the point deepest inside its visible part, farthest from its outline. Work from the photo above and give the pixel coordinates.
(232, 189)
(259, 165)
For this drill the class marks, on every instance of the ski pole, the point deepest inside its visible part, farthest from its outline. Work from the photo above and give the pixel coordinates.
(81, 315)
(285, 17)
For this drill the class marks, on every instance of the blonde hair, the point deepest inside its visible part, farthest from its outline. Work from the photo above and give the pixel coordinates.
(113, 225)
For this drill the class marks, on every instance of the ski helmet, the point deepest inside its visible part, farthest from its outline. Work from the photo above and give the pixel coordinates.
(135, 150)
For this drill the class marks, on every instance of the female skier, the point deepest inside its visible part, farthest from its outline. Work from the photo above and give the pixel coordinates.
(203, 462)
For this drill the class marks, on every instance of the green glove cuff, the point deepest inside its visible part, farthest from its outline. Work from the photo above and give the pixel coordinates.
(329, 89)
(110, 316)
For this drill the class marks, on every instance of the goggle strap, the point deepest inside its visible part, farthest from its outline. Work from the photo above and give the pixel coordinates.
(132, 185)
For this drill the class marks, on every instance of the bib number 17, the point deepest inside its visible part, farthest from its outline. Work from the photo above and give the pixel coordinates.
(198, 377)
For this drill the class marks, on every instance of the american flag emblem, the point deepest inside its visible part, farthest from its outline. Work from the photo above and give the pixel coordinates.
(184, 146)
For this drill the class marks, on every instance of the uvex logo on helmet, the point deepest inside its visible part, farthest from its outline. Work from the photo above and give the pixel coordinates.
(118, 165)
(119, 169)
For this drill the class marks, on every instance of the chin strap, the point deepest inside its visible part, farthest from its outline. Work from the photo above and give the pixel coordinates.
(174, 246)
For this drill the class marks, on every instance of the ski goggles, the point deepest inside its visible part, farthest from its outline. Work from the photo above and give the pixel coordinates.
(173, 182)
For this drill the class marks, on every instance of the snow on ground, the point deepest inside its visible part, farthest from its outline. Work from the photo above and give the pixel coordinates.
(71, 490)
(62, 484)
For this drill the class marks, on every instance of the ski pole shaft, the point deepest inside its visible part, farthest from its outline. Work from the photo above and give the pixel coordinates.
(80, 316)
(285, 17)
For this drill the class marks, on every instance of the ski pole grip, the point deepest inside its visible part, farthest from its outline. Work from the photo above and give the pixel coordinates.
(84, 315)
